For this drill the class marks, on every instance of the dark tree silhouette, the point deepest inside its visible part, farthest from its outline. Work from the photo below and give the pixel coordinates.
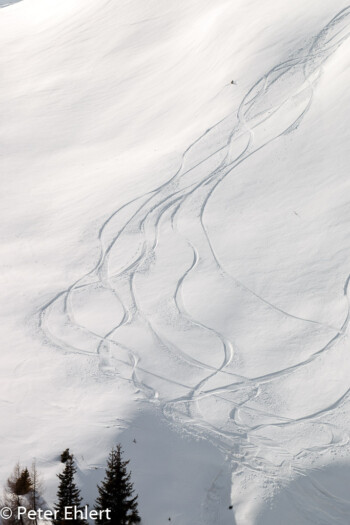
(68, 494)
(116, 493)
(65, 455)
(16, 495)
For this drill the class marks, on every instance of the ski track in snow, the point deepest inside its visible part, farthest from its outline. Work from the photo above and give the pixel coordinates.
(135, 242)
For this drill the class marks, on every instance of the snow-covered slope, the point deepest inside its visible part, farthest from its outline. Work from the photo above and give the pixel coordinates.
(175, 251)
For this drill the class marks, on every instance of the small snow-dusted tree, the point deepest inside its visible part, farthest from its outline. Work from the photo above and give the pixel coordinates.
(116, 493)
(68, 493)
(35, 498)
(16, 494)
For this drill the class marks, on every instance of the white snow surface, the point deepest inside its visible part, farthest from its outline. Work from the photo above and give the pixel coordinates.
(175, 252)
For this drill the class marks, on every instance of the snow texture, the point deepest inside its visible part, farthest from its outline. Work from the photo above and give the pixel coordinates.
(211, 319)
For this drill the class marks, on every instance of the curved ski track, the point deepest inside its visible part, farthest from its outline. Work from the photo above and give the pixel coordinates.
(273, 107)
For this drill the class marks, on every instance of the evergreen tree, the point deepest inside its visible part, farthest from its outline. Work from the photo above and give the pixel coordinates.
(68, 495)
(23, 484)
(116, 493)
(65, 455)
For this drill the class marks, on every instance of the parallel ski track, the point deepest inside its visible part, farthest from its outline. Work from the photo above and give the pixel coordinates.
(165, 204)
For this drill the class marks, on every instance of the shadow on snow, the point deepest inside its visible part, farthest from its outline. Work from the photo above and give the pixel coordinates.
(320, 497)
(6, 3)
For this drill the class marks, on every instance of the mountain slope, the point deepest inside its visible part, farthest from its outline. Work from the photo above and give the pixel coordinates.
(175, 243)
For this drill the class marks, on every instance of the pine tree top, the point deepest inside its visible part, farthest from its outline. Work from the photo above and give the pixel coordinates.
(116, 491)
(68, 494)
(66, 455)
